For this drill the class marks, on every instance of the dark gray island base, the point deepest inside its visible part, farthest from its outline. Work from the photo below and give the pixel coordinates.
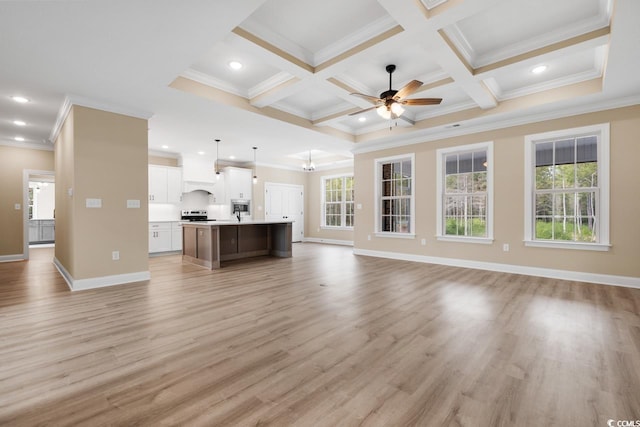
(208, 243)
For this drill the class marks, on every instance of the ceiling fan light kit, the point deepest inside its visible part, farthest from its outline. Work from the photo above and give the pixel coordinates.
(390, 103)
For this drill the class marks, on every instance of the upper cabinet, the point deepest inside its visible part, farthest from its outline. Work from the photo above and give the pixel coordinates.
(165, 184)
(238, 183)
(198, 170)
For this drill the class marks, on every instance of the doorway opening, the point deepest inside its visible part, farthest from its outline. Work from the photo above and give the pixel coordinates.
(39, 210)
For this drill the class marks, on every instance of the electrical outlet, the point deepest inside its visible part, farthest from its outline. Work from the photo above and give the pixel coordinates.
(505, 247)
(115, 255)
(423, 242)
(17, 206)
(369, 237)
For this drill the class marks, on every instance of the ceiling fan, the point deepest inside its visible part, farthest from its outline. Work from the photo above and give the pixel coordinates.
(390, 103)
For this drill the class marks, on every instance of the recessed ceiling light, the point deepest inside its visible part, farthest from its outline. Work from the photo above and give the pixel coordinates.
(20, 99)
(362, 119)
(19, 138)
(165, 146)
(232, 157)
(539, 69)
(235, 65)
(19, 123)
(201, 153)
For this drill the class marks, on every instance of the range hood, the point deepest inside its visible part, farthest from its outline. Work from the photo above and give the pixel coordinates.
(189, 186)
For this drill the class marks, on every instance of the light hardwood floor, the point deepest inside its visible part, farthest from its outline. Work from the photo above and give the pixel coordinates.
(325, 338)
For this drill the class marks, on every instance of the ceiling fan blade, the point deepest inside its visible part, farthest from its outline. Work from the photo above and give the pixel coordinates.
(363, 111)
(421, 101)
(408, 89)
(373, 99)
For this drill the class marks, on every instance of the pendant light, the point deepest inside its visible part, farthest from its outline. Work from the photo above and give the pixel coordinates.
(309, 166)
(255, 167)
(217, 157)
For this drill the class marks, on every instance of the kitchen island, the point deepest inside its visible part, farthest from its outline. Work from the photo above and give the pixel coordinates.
(208, 243)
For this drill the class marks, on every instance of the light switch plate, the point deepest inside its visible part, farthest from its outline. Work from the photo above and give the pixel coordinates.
(359, 206)
(94, 203)
(133, 204)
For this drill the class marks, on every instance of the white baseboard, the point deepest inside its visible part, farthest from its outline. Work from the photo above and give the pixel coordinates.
(99, 282)
(603, 279)
(11, 258)
(328, 241)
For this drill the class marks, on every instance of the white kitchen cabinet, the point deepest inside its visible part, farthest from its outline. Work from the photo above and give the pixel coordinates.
(174, 185)
(176, 236)
(165, 184)
(218, 191)
(160, 237)
(238, 183)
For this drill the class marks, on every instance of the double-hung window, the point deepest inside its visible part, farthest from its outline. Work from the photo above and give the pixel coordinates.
(465, 193)
(567, 188)
(337, 201)
(395, 206)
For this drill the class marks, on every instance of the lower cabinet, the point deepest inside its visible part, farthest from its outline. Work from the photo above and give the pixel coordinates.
(159, 237)
(176, 236)
(165, 236)
(42, 230)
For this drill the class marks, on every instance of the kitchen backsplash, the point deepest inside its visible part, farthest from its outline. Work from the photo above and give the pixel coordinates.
(195, 200)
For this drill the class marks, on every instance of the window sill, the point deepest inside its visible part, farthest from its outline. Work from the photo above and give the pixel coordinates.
(396, 235)
(568, 245)
(328, 227)
(461, 239)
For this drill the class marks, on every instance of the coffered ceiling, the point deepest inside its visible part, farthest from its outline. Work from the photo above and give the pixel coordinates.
(302, 59)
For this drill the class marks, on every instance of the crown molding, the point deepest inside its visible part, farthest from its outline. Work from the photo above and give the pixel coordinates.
(27, 145)
(71, 100)
(257, 29)
(268, 84)
(333, 109)
(354, 39)
(291, 110)
(509, 51)
(209, 80)
(549, 84)
(470, 128)
(465, 105)
(459, 40)
(432, 4)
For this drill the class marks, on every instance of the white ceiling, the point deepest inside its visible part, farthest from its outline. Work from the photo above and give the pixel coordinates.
(302, 59)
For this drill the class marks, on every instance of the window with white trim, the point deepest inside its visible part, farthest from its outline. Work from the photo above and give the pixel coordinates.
(395, 206)
(337, 201)
(567, 188)
(465, 193)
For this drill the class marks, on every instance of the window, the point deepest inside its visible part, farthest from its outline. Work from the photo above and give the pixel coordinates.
(465, 193)
(337, 203)
(567, 188)
(395, 199)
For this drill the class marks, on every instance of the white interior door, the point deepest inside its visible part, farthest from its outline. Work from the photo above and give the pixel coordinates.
(286, 201)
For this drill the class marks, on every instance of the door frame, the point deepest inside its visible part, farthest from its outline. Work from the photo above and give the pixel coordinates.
(297, 187)
(26, 177)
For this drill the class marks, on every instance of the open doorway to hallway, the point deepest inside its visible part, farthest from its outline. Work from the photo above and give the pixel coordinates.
(39, 210)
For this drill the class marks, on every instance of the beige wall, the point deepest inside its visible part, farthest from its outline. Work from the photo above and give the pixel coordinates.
(102, 155)
(621, 260)
(13, 161)
(163, 161)
(313, 215)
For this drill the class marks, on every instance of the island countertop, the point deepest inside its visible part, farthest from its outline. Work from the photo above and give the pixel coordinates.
(235, 222)
(206, 243)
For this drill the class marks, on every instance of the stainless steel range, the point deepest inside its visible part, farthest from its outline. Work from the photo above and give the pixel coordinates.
(194, 216)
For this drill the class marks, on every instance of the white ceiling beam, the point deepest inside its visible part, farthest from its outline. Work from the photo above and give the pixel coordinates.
(414, 18)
